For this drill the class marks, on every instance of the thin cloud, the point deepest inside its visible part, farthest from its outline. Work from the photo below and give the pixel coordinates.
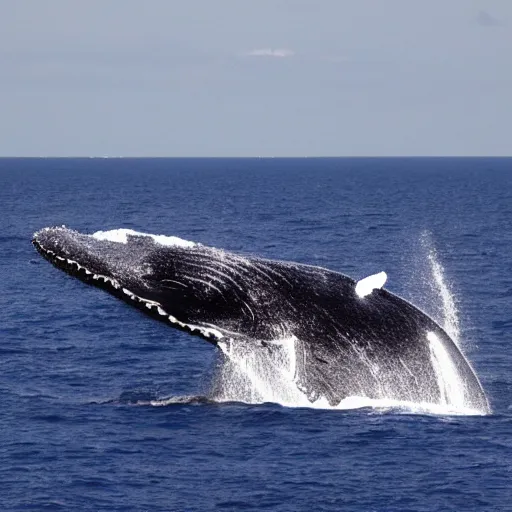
(270, 52)
(484, 19)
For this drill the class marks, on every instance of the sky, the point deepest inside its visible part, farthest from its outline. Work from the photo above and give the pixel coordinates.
(255, 78)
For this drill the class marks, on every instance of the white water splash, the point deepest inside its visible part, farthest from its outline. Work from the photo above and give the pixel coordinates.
(448, 307)
(347, 404)
(255, 375)
(450, 384)
(259, 374)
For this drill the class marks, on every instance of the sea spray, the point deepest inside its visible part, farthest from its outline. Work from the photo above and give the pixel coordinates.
(448, 305)
(437, 280)
(260, 374)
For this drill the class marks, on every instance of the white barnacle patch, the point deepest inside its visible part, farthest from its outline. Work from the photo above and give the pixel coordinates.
(366, 286)
(214, 332)
(126, 292)
(207, 332)
(225, 347)
(147, 301)
(121, 236)
(115, 284)
(97, 277)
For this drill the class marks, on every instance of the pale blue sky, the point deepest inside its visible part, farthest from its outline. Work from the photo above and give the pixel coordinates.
(255, 78)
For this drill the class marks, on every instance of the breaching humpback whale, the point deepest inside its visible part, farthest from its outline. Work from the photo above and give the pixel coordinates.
(350, 338)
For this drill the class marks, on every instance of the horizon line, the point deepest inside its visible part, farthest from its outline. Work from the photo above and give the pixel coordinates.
(134, 157)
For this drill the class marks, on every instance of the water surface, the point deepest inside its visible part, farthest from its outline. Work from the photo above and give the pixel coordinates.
(77, 365)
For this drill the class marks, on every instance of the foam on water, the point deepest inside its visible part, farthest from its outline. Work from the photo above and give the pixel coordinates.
(121, 236)
(347, 404)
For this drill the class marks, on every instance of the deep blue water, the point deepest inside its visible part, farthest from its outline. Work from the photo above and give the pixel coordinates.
(75, 363)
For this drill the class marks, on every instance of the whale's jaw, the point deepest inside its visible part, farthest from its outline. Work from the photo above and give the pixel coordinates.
(62, 248)
(95, 261)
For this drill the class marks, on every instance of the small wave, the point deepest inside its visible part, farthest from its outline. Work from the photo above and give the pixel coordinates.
(351, 403)
(12, 238)
(145, 398)
(181, 400)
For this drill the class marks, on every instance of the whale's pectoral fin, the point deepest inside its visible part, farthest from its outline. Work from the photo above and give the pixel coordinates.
(365, 286)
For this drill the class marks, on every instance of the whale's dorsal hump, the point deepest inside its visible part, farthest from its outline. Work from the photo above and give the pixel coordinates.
(365, 286)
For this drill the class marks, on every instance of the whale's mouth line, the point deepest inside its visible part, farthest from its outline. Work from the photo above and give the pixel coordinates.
(151, 307)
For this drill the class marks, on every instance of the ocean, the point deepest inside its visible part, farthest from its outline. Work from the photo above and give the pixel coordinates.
(104, 409)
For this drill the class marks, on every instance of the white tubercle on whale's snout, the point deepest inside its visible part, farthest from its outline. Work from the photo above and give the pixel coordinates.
(121, 236)
(366, 286)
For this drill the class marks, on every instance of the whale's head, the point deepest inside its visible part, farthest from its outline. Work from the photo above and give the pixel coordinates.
(193, 287)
